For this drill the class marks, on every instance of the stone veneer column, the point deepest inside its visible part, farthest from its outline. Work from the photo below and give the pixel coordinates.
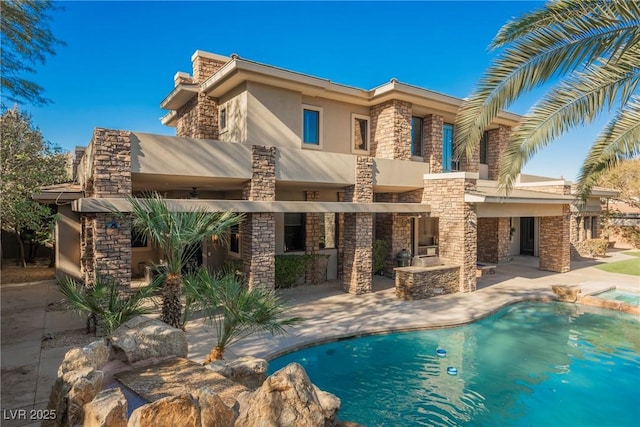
(555, 253)
(106, 238)
(391, 130)
(340, 242)
(498, 141)
(258, 229)
(457, 221)
(493, 240)
(358, 231)
(198, 118)
(433, 142)
(312, 238)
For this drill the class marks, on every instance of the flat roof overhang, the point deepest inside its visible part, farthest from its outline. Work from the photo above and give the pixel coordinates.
(106, 205)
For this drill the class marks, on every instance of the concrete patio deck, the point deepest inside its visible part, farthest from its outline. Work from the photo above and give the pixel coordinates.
(28, 372)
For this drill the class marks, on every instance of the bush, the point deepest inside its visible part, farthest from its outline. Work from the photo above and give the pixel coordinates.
(380, 251)
(596, 247)
(289, 270)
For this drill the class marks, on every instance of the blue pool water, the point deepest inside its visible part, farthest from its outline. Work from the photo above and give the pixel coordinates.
(631, 298)
(531, 364)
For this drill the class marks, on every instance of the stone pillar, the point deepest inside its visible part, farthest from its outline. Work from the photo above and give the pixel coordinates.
(493, 240)
(498, 141)
(391, 130)
(358, 231)
(471, 164)
(340, 242)
(258, 229)
(555, 253)
(198, 118)
(433, 142)
(105, 238)
(312, 238)
(458, 233)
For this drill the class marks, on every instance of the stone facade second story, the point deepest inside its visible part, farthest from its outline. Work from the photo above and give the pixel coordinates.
(240, 101)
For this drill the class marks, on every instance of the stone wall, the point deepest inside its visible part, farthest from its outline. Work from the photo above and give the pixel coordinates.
(391, 130)
(493, 240)
(312, 238)
(105, 240)
(498, 141)
(258, 229)
(555, 252)
(420, 283)
(358, 231)
(433, 142)
(579, 235)
(457, 222)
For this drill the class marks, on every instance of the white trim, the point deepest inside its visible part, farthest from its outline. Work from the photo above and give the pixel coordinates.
(451, 175)
(320, 125)
(355, 116)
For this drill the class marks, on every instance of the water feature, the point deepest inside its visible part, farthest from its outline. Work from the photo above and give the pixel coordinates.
(530, 364)
(628, 297)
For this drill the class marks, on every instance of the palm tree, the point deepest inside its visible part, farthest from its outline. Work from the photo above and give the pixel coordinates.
(593, 47)
(235, 310)
(178, 235)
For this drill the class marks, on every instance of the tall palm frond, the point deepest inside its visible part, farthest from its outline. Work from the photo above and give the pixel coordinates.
(619, 140)
(577, 38)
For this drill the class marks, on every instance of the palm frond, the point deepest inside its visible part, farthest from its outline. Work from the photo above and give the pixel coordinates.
(618, 141)
(534, 57)
(575, 101)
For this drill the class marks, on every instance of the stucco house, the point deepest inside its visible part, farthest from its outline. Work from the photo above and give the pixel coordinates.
(317, 167)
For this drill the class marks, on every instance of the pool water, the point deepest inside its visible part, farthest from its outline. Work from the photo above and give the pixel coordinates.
(631, 298)
(530, 364)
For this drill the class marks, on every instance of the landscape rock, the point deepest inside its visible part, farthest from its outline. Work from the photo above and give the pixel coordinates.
(330, 405)
(70, 393)
(213, 411)
(94, 355)
(247, 370)
(107, 409)
(180, 411)
(566, 293)
(286, 398)
(143, 338)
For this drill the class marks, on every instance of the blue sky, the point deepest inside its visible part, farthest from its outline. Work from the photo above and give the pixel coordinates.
(120, 57)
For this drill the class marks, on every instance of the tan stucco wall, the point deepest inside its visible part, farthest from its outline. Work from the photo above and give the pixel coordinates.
(235, 101)
(274, 116)
(67, 236)
(141, 257)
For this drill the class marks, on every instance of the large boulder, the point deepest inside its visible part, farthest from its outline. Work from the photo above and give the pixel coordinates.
(144, 338)
(330, 405)
(286, 398)
(566, 293)
(70, 393)
(213, 411)
(180, 411)
(108, 409)
(94, 355)
(247, 370)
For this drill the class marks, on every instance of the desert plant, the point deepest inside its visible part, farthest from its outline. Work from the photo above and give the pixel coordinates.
(597, 247)
(105, 302)
(234, 310)
(380, 252)
(178, 235)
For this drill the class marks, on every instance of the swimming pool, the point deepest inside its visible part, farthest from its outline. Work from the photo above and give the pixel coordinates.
(531, 364)
(628, 297)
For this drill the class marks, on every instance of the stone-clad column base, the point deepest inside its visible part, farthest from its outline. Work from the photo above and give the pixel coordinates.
(555, 245)
(357, 253)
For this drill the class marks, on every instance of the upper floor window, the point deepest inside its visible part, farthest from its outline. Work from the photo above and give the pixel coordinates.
(222, 119)
(484, 148)
(448, 164)
(359, 134)
(312, 126)
(416, 136)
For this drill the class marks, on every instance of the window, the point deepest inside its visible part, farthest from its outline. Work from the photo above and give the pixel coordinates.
(594, 227)
(328, 230)
(294, 232)
(416, 136)
(359, 134)
(312, 126)
(448, 164)
(138, 239)
(223, 118)
(234, 239)
(484, 147)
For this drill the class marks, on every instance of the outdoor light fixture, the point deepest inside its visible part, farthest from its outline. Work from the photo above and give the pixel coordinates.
(113, 224)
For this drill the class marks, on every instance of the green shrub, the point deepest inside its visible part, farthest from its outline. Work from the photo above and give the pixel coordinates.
(289, 270)
(380, 251)
(597, 247)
